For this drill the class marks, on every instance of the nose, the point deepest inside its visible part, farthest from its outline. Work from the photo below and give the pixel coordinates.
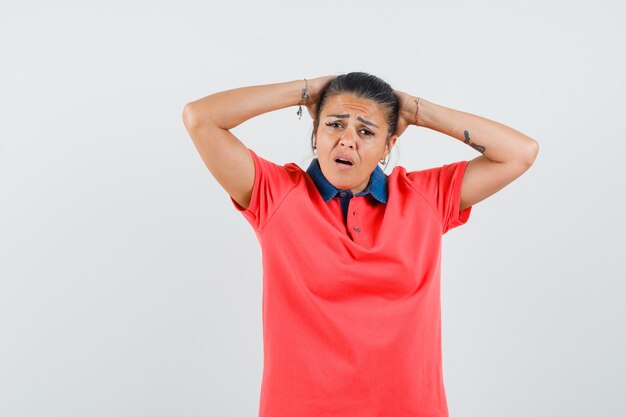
(347, 138)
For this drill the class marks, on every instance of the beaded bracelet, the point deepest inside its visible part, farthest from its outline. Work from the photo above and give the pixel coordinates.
(305, 97)
(417, 100)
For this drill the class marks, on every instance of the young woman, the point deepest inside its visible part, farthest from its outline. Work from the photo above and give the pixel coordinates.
(351, 255)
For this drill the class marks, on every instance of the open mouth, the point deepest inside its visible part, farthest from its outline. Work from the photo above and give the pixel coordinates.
(343, 162)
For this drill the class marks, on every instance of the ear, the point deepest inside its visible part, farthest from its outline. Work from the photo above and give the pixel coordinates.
(391, 144)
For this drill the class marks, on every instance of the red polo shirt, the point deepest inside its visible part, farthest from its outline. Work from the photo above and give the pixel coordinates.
(351, 310)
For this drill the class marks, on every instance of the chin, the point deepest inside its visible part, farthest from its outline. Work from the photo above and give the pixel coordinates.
(339, 184)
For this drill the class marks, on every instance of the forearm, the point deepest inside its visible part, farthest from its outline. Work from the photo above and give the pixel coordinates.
(496, 141)
(228, 109)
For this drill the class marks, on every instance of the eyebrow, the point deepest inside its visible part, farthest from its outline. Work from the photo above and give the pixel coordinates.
(345, 116)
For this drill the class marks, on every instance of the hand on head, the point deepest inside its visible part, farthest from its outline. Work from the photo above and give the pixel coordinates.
(408, 110)
(316, 86)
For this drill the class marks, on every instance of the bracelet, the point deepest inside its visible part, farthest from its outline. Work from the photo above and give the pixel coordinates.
(417, 101)
(305, 97)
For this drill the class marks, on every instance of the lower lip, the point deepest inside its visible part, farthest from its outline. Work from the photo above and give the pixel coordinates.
(343, 166)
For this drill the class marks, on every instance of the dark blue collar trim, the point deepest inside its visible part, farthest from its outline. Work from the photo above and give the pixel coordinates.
(377, 185)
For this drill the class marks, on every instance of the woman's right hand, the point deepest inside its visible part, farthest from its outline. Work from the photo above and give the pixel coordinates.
(316, 86)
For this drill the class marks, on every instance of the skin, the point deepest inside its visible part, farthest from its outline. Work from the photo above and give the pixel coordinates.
(505, 152)
(364, 143)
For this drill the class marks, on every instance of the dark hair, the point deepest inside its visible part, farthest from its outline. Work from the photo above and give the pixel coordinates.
(362, 85)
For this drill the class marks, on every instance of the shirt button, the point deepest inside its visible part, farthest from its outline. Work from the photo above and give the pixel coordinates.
(342, 194)
(357, 229)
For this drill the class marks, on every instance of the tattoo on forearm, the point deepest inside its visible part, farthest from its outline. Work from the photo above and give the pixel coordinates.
(479, 148)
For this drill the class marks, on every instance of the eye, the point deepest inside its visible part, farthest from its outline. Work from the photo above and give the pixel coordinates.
(335, 124)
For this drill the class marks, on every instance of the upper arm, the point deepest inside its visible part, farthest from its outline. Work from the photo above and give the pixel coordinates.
(226, 157)
(484, 177)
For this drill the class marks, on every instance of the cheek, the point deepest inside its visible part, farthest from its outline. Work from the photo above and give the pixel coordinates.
(324, 141)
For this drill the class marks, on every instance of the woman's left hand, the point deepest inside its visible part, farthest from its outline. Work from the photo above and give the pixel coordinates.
(406, 114)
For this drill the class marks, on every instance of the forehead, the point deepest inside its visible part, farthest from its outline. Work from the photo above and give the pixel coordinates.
(350, 104)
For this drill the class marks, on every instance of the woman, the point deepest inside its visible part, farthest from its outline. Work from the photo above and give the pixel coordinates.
(351, 256)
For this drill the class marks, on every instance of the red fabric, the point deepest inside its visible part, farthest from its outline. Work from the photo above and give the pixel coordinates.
(351, 320)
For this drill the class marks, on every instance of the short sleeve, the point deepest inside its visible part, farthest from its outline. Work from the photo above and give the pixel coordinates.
(442, 186)
(272, 182)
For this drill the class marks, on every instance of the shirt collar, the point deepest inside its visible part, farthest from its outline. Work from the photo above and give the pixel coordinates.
(377, 185)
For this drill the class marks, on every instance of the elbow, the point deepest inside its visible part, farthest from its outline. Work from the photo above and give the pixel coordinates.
(533, 151)
(189, 118)
(197, 114)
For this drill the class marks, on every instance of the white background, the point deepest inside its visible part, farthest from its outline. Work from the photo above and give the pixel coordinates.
(130, 286)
